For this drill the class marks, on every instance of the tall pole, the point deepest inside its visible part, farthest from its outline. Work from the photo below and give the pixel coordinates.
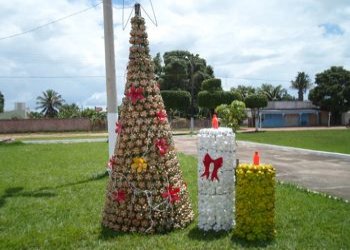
(112, 112)
(192, 94)
(190, 60)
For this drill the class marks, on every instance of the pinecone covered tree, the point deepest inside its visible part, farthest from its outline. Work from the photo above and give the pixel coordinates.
(146, 191)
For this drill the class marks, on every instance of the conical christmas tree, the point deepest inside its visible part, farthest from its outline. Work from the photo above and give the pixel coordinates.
(146, 191)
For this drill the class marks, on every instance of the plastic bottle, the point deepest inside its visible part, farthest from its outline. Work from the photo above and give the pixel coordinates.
(215, 122)
(256, 159)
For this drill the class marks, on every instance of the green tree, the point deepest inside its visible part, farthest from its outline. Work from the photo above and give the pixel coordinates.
(255, 102)
(184, 71)
(244, 91)
(301, 83)
(69, 111)
(273, 93)
(49, 103)
(35, 115)
(176, 101)
(2, 102)
(232, 115)
(332, 92)
(158, 68)
(210, 85)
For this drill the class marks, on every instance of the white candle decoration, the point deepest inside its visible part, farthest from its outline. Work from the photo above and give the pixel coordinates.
(216, 149)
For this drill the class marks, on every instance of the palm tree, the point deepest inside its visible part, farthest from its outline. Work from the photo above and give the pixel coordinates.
(2, 101)
(49, 102)
(301, 83)
(273, 93)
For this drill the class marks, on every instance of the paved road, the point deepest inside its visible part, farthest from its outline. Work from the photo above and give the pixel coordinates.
(319, 171)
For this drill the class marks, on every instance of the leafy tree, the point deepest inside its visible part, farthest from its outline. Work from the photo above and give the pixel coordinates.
(176, 100)
(332, 92)
(244, 91)
(255, 102)
(273, 93)
(184, 71)
(301, 83)
(232, 115)
(98, 119)
(211, 100)
(157, 61)
(35, 115)
(2, 102)
(69, 111)
(213, 84)
(49, 103)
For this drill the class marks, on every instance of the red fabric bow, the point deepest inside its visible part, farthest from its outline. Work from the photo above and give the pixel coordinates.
(118, 127)
(171, 194)
(162, 146)
(119, 196)
(112, 161)
(135, 94)
(217, 164)
(161, 115)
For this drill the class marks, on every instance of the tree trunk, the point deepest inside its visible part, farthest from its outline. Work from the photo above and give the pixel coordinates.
(300, 95)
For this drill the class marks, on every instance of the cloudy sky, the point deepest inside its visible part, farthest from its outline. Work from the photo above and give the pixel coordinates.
(247, 42)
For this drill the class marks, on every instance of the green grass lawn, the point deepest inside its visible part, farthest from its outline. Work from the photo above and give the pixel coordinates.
(51, 197)
(324, 140)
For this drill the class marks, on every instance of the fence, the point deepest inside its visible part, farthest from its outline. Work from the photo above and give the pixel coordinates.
(50, 125)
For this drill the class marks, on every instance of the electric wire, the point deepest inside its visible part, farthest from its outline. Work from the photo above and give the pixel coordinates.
(49, 23)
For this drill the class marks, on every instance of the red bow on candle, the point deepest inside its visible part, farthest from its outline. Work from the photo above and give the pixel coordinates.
(217, 164)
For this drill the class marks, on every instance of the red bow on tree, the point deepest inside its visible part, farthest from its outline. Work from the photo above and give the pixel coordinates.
(171, 194)
(135, 94)
(162, 146)
(161, 115)
(118, 127)
(217, 164)
(112, 161)
(119, 196)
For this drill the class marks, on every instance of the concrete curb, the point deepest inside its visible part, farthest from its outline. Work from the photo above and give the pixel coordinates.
(65, 141)
(285, 148)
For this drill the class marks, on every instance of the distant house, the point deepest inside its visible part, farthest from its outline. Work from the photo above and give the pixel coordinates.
(291, 114)
(19, 112)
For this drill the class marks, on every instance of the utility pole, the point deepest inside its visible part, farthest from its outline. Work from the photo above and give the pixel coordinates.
(112, 112)
(190, 60)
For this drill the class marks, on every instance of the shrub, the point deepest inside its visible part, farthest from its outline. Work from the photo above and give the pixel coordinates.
(232, 115)
(176, 100)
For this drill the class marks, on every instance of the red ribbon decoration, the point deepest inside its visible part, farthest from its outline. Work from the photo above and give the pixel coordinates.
(217, 164)
(118, 127)
(135, 94)
(171, 194)
(119, 196)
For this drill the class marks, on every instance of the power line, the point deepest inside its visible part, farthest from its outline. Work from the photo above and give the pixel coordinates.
(48, 77)
(49, 23)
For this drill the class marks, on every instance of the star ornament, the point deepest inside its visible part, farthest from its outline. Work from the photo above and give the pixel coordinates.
(171, 194)
(119, 196)
(162, 116)
(162, 146)
(135, 94)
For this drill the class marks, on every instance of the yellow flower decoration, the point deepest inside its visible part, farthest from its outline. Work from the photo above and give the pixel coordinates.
(139, 164)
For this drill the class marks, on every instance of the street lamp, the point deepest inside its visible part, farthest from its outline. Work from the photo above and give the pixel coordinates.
(190, 60)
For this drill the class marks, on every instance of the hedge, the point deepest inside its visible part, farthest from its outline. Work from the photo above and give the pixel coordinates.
(176, 100)
(211, 100)
(213, 84)
(255, 202)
